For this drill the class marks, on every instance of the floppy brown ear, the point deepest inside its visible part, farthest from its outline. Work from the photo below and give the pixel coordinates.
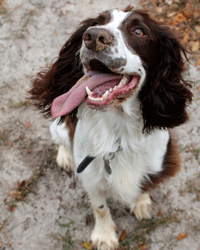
(165, 95)
(61, 75)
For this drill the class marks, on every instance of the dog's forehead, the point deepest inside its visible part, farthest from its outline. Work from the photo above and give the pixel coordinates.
(117, 17)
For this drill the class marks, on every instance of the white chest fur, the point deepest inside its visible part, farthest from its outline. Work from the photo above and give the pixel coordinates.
(97, 134)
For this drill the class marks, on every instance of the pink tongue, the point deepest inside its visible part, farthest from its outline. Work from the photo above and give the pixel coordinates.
(67, 102)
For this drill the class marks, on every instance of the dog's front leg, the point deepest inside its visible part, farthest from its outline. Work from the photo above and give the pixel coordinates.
(103, 235)
(60, 136)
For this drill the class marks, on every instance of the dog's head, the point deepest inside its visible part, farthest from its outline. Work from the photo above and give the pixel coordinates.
(110, 48)
(113, 57)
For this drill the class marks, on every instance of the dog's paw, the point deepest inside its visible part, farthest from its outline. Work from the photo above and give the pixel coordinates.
(64, 158)
(104, 240)
(142, 207)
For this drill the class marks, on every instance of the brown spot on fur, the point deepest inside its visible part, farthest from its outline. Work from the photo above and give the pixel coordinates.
(101, 212)
(171, 165)
(71, 125)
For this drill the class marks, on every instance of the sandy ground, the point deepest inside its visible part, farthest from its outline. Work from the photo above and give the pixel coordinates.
(56, 214)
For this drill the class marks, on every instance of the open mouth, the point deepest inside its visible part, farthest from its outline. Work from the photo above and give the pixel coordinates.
(101, 88)
(114, 87)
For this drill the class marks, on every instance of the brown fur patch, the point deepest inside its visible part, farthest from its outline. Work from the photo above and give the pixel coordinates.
(171, 165)
(71, 125)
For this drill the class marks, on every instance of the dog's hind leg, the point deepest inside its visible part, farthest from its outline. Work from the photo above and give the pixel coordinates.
(141, 207)
(103, 236)
(60, 136)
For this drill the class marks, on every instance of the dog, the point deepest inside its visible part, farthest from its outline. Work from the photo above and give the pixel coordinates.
(115, 92)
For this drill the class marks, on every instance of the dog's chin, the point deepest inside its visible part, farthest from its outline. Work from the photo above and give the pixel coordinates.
(112, 93)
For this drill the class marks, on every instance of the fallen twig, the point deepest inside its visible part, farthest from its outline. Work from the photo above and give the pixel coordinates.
(2, 229)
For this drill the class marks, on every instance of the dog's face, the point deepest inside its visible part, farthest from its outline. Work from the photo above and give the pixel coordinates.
(120, 43)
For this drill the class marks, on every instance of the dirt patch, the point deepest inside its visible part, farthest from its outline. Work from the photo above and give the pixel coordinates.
(55, 213)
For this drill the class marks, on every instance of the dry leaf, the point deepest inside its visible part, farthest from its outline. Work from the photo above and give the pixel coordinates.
(3, 4)
(72, 185)
(182, 236)
(195, 46)
(160, 213)
(15, 194)
(162, 20)
(122, 236)
(171, 14)
(143, 247)
(197, 28)
(169, 2)
(27, 125)
(188, 10)
(179, 18)
(10, 143)
(57, 238)
(159, 9)
(2, 47)
(11, 208)
(198, 62)
(87, 245)
(20, 185)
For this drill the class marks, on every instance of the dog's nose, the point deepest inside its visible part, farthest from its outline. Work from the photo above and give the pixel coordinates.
(97, 39)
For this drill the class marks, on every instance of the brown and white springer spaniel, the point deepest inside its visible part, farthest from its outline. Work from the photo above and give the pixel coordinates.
(116, 89)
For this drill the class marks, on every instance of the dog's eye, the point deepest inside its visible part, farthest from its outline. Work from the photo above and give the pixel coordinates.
(138, 32)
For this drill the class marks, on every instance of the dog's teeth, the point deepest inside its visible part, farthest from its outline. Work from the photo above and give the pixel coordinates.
(99, 99)
(89, 92)
(110, 90)
(91, 98)
(123, 81)
(115, 88)
(95, 98)
(105, 95)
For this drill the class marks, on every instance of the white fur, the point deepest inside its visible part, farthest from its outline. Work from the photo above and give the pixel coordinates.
(142, 154)
(141, 207)
(118, 17)
(64, 158)
(60, 136)
(96, 135)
